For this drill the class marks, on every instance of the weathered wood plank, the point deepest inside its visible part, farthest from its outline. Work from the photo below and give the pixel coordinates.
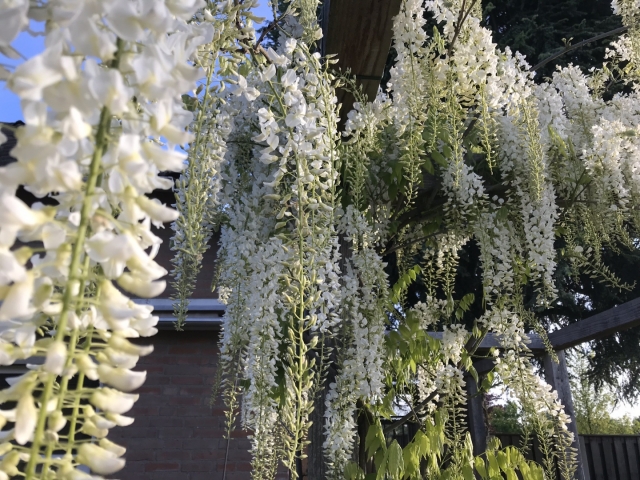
(493, 341)
(600, 325)
(609, 456)
(631, 445)
(359, 32)
(621, 457)
(557, 376)
(595, 449)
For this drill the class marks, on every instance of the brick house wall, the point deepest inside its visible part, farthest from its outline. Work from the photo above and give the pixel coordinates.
(177, 433)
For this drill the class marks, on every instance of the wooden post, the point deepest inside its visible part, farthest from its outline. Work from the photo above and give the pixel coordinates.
(557, 376)
(475, 417)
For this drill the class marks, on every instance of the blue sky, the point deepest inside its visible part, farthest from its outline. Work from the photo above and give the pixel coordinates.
(28, 46)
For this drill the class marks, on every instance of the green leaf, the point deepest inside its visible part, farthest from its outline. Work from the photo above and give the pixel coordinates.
(423, 444)
(502, 461)
(428, 166)
(352, 471)
(372, 441)
(494, 469)
(411, 461)
(467, 472)
(380, 460)
(395, 460)
(480, 468)
(439, 158)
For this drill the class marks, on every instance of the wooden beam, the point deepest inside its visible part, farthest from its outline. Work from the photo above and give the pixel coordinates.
(598, 326)
(493, 341)
(359, 32)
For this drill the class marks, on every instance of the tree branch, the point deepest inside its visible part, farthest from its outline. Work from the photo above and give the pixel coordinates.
(571, 48)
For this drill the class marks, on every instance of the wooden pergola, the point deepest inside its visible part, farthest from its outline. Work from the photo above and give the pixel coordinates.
(359, 32)
(596, 327)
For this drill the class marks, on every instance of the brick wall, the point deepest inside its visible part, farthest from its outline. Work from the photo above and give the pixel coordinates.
(177, 435)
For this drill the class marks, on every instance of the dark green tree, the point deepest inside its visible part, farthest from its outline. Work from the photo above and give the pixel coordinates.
(541, 28)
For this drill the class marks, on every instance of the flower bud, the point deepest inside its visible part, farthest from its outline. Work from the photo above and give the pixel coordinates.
(92, 430)
(56, 421)
(118, 342)
(140, 287)
(87, 366)
(120, 420)
(56, 358)
(26, 418)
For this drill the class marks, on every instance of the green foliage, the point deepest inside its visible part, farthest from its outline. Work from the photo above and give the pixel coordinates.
(593, 406)
(540, 28)
(505, 418)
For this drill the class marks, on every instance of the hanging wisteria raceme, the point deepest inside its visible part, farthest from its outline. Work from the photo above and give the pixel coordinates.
(103, 117)
(197, 189)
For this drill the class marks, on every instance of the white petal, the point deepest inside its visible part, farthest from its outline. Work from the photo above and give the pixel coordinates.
(17, 302)
(112, 447)
(26, 418)
(112, 401)
(140, 287)
(56, 358)
(166, 160)
(121, 378)
(120, 420)
(156, 210)
(99, 460)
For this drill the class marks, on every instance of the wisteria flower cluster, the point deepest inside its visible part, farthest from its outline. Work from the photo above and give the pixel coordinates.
(103, 117)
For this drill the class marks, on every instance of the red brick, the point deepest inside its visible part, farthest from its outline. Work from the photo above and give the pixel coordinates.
(165, 360)
(154, 466)
(208, 422)
(166, 476)
(186, 400)
(203, 391)
(136, 454)
(176, 455)
(196, 466)
(142, 432)
(191, 360)
(157, 380)
(183, 350)
(186, 380)
(176, 432)
(149, 390)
